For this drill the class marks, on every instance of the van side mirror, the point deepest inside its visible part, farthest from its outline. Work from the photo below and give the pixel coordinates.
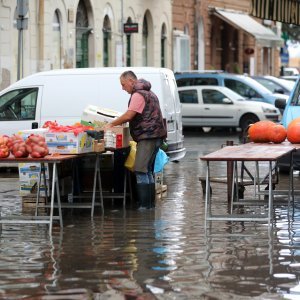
(280, 103)
(279, 91)
(227, 101)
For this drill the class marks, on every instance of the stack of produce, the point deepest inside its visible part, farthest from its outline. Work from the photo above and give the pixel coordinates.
(77, 128)
(34, 145)
(267, 132)
(4, 149)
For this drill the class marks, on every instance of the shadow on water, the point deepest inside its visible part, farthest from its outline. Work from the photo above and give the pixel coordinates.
(164, 253)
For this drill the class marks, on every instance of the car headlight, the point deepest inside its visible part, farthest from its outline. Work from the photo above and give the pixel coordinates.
(268, 110)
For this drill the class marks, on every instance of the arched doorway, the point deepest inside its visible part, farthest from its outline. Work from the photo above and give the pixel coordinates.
(106, 41)
(128, 46)
(82, 35)
(56, 41)
(163, 46)
(145, 42)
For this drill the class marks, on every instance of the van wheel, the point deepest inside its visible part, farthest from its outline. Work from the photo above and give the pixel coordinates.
(247, 120)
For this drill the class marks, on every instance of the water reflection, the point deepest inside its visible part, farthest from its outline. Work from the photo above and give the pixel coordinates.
(166, 253)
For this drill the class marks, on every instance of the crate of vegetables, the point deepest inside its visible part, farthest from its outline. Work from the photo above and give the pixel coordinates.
(69, 139)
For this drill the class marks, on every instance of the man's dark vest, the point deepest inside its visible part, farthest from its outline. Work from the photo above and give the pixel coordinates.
(149, 124)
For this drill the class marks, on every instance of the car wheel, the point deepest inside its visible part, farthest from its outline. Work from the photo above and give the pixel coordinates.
(247, 120)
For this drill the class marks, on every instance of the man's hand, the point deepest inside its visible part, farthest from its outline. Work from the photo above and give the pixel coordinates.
(107, 126)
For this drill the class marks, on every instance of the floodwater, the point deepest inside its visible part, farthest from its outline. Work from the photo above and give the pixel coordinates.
(164, 253)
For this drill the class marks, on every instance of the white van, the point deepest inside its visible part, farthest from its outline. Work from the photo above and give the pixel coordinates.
(62, 95)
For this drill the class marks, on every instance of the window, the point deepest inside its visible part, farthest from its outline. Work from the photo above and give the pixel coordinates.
(189, 96)
(296, 96)
(241, 88)
(212, 97)
(106, 41)
(163, 43)
(128, 46)
(145, 42)
(56, 41)
(196, 81)
(18, 105)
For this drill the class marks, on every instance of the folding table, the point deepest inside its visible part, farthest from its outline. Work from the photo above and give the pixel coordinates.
(250, 152)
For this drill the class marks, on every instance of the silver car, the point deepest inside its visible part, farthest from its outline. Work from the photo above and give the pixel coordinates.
(218, 106)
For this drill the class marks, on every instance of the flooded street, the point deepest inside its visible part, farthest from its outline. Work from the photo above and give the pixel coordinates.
(164, 253)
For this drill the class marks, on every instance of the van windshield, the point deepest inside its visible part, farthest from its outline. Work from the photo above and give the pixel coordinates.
(18, 104)
(295, 101)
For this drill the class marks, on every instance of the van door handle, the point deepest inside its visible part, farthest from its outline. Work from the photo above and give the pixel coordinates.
(206, 108)
(34, 125)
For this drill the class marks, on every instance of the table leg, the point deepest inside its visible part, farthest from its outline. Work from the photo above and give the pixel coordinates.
(207, 194)
(58, 201)
(125, 189)
(52, 197)
(95, 184)
(270, 194)
(100, 188)
(38, 190)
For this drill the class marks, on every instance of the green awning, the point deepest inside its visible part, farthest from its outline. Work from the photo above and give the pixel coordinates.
(285, 11)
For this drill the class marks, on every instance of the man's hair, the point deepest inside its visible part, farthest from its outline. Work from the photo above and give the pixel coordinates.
(128, 74)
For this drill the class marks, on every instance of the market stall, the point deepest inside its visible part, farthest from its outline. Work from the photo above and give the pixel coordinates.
(249, 152)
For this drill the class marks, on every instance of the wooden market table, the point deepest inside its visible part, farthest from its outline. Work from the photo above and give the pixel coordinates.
(249, 152)
(53, 160)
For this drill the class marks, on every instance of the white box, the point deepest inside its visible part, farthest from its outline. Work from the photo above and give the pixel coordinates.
(29, 187)
(97, 116)
(29, 171)
(26, 133)
(158, 179)
(69, 143)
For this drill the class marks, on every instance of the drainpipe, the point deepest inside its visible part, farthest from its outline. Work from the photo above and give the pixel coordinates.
(196, 35)
(41, 33)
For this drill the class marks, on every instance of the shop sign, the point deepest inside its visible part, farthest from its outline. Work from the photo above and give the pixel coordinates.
(131, 28)
(249, 51)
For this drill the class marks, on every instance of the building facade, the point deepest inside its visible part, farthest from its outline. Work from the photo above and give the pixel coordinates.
(49, 34)
(220, 35)
(177, 34)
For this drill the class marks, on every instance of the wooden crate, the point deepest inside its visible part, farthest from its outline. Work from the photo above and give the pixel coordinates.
(29, 201)
(161, 191)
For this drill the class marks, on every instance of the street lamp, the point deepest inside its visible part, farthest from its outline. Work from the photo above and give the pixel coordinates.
(22, 23)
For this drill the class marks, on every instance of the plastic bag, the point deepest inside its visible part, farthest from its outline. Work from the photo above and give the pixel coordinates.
(129, 163)
(160, 160)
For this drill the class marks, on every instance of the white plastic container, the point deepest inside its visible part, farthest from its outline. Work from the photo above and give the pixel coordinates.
(96, 116)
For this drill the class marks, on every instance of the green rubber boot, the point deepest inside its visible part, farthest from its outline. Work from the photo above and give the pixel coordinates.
(143, 195)
(153, 194)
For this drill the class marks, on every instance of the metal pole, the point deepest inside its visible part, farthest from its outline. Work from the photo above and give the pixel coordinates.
(122, 33)
(20, 37)
(229, 176)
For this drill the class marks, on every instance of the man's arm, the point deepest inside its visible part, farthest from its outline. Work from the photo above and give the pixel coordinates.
(126, 117)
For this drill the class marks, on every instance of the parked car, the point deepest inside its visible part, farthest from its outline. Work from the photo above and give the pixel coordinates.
(287, 71)
(241, 84)
(290, 78)
(218, 106)
(291, 111)
(275, 85)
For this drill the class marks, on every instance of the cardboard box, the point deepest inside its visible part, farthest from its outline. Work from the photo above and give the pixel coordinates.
(26, 133)
(122, 136)
(158, 179)
(29, 187)
(69, 143)
(28, 171)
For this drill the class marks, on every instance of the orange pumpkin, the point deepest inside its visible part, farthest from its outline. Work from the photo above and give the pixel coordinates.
(277, 133)
(293, 131)
(259, 131)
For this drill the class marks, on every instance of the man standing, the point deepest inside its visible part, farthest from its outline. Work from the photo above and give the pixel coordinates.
(147, 130)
